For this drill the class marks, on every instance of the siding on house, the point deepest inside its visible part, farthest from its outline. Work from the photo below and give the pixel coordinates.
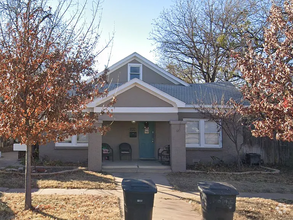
(141, 117)
(227, 153)
(136, 97)
(163, 134)
(149, 76)
(118, 76)
(119, 134)
(64, 154)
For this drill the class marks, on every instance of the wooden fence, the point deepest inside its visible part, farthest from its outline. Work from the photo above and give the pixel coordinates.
(271, 151)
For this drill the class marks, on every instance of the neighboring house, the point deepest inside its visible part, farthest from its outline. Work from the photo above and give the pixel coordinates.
(153, 109)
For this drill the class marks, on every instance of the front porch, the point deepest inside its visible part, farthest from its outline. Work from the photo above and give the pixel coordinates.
(135, 166)
(149, 137)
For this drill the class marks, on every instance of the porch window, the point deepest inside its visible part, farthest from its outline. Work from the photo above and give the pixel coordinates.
(134, 71)
(202, 133)
(80, 140)
(67, 140)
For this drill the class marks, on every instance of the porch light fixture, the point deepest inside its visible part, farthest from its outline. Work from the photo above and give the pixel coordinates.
(146, 125)
(133, 122)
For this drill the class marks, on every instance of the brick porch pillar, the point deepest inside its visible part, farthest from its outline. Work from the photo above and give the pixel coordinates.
(177, 146)
(95, 150)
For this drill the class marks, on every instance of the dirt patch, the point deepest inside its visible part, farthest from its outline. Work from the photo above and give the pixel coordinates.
(60, 207)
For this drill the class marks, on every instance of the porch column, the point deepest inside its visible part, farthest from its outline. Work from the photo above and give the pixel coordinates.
(177, 146)
(95, 150)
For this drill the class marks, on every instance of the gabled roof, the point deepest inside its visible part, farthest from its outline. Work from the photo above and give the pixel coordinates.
(205, 93)
(150, 65)
(116, 89)
(195, 94)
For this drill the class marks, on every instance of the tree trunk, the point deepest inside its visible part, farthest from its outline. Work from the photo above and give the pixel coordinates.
(239, 163)
(28, 181)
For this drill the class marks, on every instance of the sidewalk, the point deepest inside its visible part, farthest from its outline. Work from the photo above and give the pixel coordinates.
(166, 194)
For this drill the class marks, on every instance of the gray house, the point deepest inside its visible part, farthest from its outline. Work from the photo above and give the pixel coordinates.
(153, 109)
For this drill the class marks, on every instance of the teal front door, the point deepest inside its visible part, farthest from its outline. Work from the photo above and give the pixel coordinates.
(146, 136)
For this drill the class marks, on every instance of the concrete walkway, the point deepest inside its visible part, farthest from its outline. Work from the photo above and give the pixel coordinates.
(169, 204)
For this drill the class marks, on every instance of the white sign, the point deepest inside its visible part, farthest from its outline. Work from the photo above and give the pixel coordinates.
(19, 147)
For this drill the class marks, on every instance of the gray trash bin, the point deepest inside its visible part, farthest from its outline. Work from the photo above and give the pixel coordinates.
(218, 200)
(138, 198)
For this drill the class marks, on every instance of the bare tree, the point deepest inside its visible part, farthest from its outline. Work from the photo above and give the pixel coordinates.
(195, 37)
(227, 117)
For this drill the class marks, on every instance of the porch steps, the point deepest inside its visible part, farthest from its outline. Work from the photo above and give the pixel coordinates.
(136, 168)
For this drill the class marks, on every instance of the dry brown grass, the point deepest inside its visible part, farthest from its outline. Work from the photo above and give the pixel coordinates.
(81, 179)
(274, 183)
(60, 207)
(257, 209)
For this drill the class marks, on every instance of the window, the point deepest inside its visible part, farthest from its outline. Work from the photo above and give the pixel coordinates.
(80, 140)
(203, 133)
(192, 132)
(134, 71)
(67, 140)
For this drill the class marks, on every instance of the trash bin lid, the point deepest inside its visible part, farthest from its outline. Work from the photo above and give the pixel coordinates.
(216, 188)
(252, 155)
(139, 185)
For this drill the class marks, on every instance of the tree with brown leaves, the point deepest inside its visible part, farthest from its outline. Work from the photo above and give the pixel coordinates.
(268, 76)
(44, 58)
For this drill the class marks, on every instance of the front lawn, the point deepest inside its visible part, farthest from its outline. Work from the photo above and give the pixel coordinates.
(257, 209)
(81, 179)
(60, 207)
(273, 183)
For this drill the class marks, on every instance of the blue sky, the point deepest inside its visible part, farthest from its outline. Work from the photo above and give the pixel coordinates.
(131, 21)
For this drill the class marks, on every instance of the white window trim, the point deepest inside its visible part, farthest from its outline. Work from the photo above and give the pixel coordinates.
(135, 65)
(73, 143)
(201, 135)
